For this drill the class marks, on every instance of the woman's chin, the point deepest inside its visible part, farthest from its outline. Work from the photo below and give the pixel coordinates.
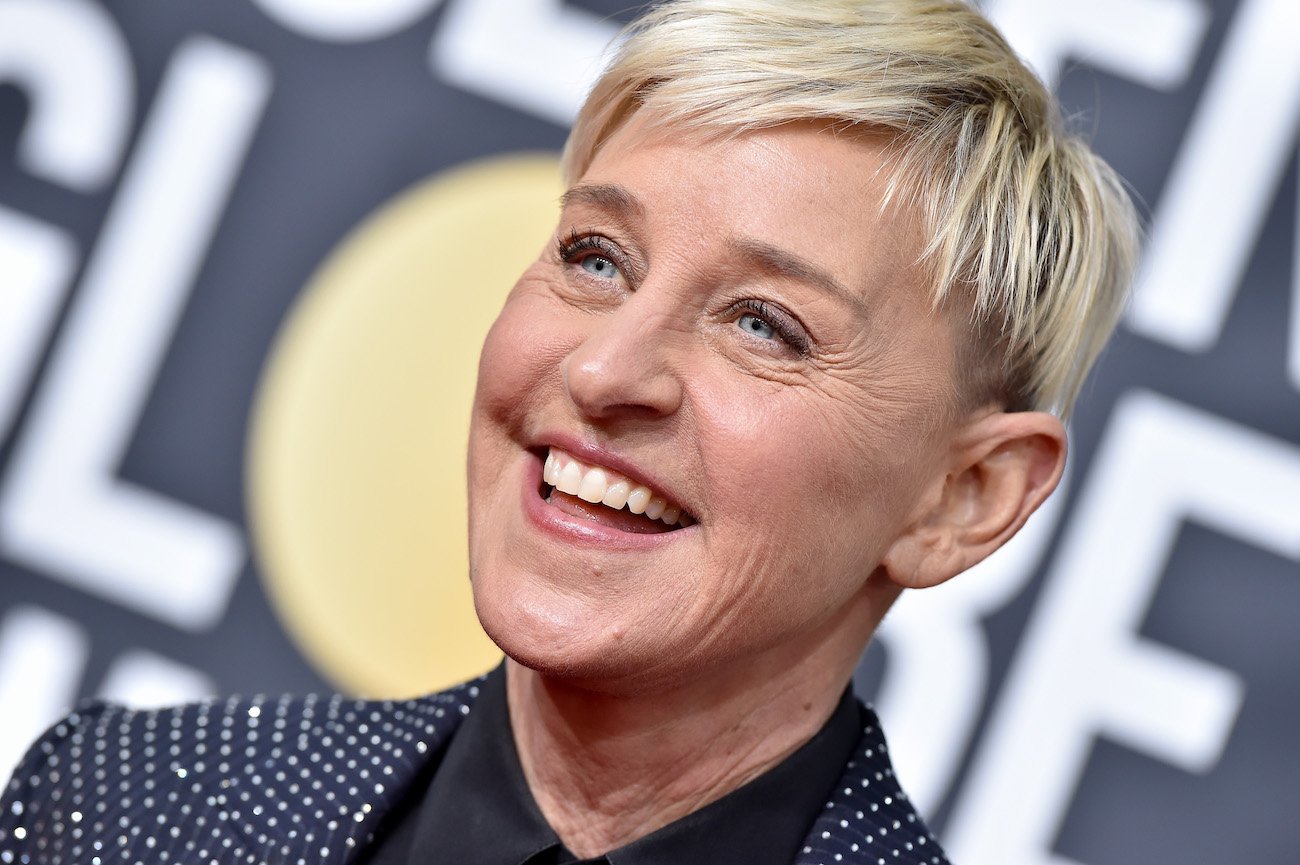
(552, 634)
(564, 640)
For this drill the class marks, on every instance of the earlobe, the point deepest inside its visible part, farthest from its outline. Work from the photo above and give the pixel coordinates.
(1003, 467)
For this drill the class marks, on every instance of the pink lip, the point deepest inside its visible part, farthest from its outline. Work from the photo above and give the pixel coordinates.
(590, 452)
(575, 530)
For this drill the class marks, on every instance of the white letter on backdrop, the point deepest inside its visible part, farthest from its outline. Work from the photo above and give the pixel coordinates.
(347, 20)
(1153, 42)
(63, 511)
(539, 56)
(1294, 363)
(937, 670)
(36, 260)
(144, 680)
(1082, 670)
(72, 61)
(42, 657)
(1220, 188)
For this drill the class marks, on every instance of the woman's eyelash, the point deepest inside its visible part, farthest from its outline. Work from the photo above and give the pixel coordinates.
(574, 244)
(570, 248)
(780, 321)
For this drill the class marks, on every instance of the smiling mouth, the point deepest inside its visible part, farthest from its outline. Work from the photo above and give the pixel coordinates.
(602, 495)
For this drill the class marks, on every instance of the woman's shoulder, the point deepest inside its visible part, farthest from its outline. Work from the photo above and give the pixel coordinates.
(311, 778)
(259, 775)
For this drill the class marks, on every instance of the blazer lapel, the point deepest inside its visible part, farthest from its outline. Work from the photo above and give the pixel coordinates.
(869, 820)
(311, 780)
(319, 792)
(351, 762)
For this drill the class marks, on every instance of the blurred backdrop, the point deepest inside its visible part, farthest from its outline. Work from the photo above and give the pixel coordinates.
(248, 250)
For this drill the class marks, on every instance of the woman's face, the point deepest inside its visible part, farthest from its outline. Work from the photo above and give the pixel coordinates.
(734, 326)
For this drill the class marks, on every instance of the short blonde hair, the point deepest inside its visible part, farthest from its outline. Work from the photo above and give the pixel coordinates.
(1019, 213)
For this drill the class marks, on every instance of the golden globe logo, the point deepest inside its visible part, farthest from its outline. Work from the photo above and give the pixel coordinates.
(356, 458)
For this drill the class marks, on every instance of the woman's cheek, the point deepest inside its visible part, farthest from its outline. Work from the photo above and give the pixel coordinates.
(507, 371)
(529, 340)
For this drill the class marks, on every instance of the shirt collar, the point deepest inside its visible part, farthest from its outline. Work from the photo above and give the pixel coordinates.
(479, 808)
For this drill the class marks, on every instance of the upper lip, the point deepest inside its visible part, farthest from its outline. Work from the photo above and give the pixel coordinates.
(590, 452)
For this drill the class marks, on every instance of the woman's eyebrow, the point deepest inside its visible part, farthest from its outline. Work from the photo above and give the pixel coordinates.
(607, 196)
(785, 263)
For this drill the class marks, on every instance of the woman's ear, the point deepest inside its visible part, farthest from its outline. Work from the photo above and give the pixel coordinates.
(1002, 467)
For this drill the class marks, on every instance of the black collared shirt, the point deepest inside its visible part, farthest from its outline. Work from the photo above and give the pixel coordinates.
(475, 806)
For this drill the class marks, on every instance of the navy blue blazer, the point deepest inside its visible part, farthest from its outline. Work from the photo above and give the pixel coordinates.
(308, 781)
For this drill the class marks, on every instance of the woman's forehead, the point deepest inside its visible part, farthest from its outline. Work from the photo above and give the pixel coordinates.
(801, 189)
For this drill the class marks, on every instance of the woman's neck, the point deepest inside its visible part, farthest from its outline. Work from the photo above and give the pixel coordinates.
(608, 769)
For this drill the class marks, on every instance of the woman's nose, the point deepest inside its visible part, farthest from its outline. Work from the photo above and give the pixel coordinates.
(625, 364)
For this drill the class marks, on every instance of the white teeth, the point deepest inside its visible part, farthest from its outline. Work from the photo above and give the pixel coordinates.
(638, 499)
(570, 479)
(593, 486)
(655, 509)
(616, 495)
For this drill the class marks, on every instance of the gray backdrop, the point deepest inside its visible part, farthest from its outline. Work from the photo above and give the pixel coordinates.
(1117, 688)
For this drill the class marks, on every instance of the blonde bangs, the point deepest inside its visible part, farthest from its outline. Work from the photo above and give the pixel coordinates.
(1022, 219)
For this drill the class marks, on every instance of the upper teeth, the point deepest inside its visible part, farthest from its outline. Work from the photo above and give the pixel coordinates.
(595, 484)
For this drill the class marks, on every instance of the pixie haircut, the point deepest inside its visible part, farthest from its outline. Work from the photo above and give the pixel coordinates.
(1025, 226)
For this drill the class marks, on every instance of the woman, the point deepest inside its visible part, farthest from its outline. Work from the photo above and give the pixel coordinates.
(825, 279)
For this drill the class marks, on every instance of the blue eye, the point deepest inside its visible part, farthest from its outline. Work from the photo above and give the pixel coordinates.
(751, 323)
(599, 265)
(771, 324)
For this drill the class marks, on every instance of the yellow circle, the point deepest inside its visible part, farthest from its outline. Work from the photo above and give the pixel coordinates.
(356, 467)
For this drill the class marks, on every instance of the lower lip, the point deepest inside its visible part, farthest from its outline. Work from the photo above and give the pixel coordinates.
(574, 530)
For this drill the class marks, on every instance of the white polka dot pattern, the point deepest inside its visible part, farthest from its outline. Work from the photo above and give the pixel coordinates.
(290, 782)
(306, 781)
(869, 820)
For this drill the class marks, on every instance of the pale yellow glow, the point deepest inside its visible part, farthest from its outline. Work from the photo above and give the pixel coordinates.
(356, 471)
